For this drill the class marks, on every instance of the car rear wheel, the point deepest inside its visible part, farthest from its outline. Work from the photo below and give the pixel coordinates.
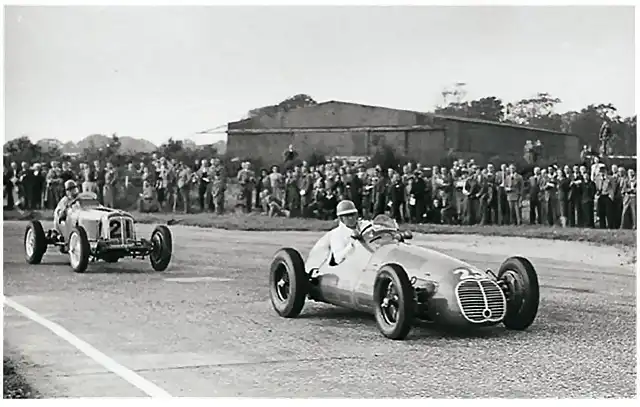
(288, 283)
(35, 242)
(394, 302)
(519, 280)
(79, 249)
(160, 255)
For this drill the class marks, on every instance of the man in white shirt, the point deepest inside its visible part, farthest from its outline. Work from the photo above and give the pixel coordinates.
(341, 239)
(60, 213)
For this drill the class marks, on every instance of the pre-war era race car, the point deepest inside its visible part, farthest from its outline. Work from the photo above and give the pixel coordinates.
(399, 283)
(93, 232)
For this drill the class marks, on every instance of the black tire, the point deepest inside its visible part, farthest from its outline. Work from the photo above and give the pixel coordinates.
(35, 231)
(288, 283)
(523, 294)
(83, 248)
(160, 257)
(400, 326)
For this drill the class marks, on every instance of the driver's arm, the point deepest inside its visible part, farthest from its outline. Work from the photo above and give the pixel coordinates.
(61, 209)
(341, 244)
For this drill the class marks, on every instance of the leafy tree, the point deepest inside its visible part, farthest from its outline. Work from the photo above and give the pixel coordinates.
(537, 111)
(293, 102)
(22, 149)
(487, 108)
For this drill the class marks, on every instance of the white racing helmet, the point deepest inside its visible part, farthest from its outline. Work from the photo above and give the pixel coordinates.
(346, 207)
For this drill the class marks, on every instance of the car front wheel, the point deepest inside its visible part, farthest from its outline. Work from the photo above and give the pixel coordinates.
(519, 280)
(393, 302)
(35, 242)
(79, 249)
(288, 283)
(162, 240)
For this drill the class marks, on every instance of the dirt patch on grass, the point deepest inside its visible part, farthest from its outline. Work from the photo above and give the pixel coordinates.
(256, 222)
(14, 386)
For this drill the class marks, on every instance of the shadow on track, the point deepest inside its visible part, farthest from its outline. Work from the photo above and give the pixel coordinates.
(422, 330)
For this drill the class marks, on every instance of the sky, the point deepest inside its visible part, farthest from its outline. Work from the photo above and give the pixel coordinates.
(160, 72)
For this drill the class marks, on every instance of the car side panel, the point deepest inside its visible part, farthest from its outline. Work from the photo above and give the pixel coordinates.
(335, 284)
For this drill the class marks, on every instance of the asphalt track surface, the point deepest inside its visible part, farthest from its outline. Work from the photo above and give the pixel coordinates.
(219, 336)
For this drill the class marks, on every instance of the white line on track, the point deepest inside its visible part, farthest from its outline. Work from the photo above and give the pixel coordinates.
(105, 361)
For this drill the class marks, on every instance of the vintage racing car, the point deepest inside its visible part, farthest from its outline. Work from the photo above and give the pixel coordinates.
(399, 282)
(94, 232)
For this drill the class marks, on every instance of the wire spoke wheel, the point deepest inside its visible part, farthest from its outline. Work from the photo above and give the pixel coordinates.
(389, 304)
(74, 250)
(519, 281)
(288, 283)
(157, 241)
(283, 284)
(30, 242)
(394, 302)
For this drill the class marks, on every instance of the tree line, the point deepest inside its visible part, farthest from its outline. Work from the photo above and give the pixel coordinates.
(541, 111)
(537, 111)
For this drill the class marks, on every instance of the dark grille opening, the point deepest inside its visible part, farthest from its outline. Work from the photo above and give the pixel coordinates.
(481, 300)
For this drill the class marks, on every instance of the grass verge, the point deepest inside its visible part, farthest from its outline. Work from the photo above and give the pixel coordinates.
(257, 222)
(14, 386)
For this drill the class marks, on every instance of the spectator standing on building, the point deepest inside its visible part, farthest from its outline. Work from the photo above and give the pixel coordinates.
(290, 156)
(586, 155)
(604, 135)
(529, 152)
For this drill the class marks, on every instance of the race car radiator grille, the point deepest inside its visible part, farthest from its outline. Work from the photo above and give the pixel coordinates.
(481, 301)
(121, 228)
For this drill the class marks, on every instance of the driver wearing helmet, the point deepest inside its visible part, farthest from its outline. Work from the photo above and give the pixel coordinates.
(341, 238)
(60, 213)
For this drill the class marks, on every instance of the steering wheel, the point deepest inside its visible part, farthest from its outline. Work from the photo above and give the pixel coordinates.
(370, 225)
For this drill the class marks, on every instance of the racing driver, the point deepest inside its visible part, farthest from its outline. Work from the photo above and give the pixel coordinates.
(341, 238)
(60, 214)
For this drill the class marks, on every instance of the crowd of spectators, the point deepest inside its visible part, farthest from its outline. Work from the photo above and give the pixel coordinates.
(588, 195)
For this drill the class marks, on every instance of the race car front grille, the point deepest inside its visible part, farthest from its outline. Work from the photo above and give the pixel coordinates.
(481, 301)
(121, 228)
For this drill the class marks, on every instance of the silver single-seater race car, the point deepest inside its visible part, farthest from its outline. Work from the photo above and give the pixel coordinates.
(398, 283)
(93, 232)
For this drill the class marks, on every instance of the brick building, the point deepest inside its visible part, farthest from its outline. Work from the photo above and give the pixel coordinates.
(349, 129)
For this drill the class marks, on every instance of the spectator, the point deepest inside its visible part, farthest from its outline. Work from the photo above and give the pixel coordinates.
(148, 201)
(290, 156)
